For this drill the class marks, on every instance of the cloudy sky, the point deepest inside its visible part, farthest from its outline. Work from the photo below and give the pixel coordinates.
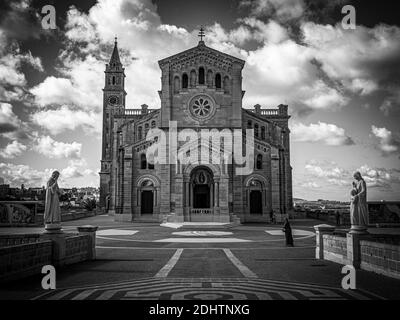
(342, 86)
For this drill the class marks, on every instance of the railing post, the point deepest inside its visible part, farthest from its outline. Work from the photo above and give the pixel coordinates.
(91, 231)
(320, 230)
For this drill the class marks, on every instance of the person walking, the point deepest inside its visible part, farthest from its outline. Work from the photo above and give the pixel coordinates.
(271, 216)
(287, 229)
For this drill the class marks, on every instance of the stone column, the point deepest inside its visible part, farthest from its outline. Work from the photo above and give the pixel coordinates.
(91, 231)
(186, 194)
(216, 188)
(320, 230)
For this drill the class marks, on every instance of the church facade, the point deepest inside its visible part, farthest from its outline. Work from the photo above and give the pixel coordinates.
(201, 90)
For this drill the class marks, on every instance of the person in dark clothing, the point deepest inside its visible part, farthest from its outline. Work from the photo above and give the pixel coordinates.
(288, 233)
(337, 218)
(271, 216)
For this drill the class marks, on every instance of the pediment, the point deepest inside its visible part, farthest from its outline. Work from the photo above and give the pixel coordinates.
(201, 54)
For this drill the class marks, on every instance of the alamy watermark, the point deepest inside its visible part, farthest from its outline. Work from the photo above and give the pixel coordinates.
(349, 20)
(205, 146)
(49, 20)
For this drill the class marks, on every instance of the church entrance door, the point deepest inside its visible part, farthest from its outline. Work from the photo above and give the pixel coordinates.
(255, 202)
(201, 196)
(147, 202)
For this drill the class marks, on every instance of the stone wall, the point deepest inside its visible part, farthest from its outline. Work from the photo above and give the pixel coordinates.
(77, 249)
(8, 240)
(371, 252)
(382, 257)
(335, 248)
(24, 260)
(25, 255)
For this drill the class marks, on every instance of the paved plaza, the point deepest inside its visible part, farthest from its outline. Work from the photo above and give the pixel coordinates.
(192, 261)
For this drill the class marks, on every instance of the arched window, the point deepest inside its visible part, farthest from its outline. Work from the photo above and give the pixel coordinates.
(227, 85)
(192, 78)
(218, 81)
(263, 132)
(201, 75)
(177, 84)
(256, 130)
(153, 124)
(146, 129)
(113, 80)
(185, 81)
(209, 78)
(249, 124)
(140, 133)
(259, 162)
(143, 161)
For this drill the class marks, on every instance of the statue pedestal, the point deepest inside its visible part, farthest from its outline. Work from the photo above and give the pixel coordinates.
(355, 229)
(52, 228)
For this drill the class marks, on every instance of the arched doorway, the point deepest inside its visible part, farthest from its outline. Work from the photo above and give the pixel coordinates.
(146, 197)
(255, 202)
(202, 185)
(255, 194)
(147, 202)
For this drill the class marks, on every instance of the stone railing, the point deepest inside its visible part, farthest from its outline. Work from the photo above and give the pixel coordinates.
(18, 212)
(201, 211)
(133, 112)
(269, 112)
(9, 240)
(372, 252)
(23, 255)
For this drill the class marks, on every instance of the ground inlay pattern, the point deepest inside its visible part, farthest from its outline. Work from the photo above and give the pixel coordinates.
(206, 288)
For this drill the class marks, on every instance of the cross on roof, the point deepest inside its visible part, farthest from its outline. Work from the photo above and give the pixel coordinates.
(201, 33)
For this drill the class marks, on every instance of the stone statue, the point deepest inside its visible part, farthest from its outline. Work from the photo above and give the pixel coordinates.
(52, 211)
(358, 205)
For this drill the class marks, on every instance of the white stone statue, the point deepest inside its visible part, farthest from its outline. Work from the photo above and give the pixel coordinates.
(52, 211)
(358, 205)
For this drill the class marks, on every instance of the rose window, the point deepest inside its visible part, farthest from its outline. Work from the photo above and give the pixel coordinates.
(201, 107)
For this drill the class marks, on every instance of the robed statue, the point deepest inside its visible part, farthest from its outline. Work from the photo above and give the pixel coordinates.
(52, 211)
(358, 203)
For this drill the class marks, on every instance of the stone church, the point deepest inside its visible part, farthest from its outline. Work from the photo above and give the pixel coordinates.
(201, 88)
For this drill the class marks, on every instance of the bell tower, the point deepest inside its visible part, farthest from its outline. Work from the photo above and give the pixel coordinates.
(113, 103)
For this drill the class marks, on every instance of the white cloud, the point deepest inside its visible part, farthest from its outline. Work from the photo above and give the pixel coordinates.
(332, 174)
(17, 174)
(8, 119)
(330, 171)
(64, 118)
(363, 61)
(12, 150)
(387, 143)
(59, 91)
(310, 185)
(55, 150)
(279, 70)
(326, 133)
(281, 9)
(379, 177)
(11, 127)
(12, 79)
